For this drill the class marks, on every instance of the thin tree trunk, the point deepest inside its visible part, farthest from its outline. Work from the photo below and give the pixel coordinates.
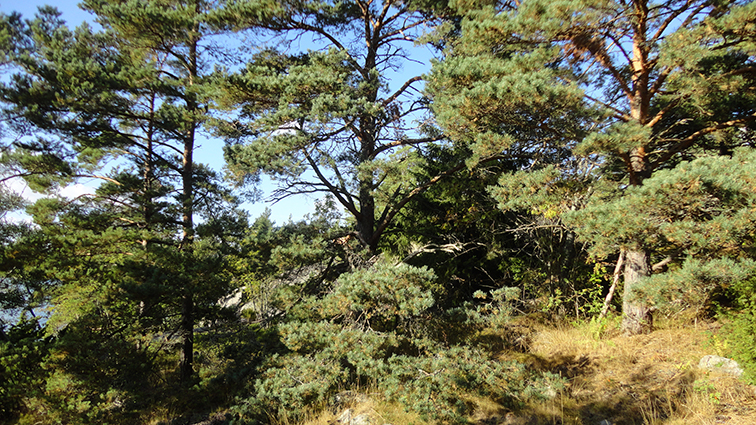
(637, 317)
(187, 302)
(615, 281)
(186, 368)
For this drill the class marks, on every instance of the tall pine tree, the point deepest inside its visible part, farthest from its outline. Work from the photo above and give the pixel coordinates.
(332, 118)
(123, 105)
(634, 86)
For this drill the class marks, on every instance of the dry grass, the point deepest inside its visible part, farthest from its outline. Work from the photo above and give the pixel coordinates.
(639, 380)
(381, 412)
(645, 379)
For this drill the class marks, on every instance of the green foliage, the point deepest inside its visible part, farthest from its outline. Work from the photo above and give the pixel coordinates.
(437, 386)
(115, 318)
(596, 98)
(597, 326)
(377, 327)
(702, 207)
(692, 285)
(23, 351)
(232, 353)
(641, 149)
(329, 120)
(592, 299)
(699, 214)
(709, 390)
(127, 273)
(96, 377)
(455, 228)
(739, 332)
(304, 255)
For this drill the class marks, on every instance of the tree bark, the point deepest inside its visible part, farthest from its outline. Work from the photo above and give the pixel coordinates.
(637, 317)
(186, 366)
(368, 132)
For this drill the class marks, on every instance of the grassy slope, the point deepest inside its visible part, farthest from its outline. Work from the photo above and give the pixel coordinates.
(645, 379)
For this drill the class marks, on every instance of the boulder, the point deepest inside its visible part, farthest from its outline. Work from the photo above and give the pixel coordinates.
(348, 417)
(721, 364)
(345, 417)
(363, 419)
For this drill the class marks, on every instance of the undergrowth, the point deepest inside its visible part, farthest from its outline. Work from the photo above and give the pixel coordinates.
(645, 379)
(381, 326)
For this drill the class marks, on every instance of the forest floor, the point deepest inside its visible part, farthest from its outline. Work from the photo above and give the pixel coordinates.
(612, 379)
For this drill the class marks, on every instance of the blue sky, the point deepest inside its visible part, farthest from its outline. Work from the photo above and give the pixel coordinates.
(209, 151)
(71, 12)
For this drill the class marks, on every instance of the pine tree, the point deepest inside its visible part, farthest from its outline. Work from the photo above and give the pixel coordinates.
(633, 86)
(123, 105)
(332, 119)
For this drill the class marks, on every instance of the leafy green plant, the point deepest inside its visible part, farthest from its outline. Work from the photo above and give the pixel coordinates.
(709, 390)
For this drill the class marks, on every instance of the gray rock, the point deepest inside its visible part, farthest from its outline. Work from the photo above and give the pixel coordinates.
(363, 419)
(232, 300)
(345, 417)
(721, 364)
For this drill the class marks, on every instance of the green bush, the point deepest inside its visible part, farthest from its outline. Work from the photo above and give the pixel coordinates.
(23, 349)
(380, 328)
(739, 332)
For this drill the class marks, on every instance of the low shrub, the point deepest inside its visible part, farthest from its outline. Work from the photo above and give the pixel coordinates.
(739, 332)
(379, 327)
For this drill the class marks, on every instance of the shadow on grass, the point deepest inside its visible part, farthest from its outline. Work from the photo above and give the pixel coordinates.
(645, 395)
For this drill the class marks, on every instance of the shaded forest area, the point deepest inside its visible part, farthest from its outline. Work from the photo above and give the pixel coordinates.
(556, 152)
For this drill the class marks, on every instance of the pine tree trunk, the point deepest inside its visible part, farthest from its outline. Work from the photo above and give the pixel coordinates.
(186, 367)
(637, 317)
(187, 240)
(367, 137)
(366, 223)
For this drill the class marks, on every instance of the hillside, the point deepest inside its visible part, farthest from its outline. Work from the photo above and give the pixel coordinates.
(612, 379)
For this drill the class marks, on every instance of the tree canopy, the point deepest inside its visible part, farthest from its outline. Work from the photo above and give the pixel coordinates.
(333, 118)
(120, 105)
(548, 143)
(599, 95)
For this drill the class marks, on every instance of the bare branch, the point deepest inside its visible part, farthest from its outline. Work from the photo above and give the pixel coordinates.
(615, 281)
(690, 140)
(405, 142)
(401, 90)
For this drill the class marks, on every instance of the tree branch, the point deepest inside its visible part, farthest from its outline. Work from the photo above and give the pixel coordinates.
(690, 140)
(404, 142)
(404, 87)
